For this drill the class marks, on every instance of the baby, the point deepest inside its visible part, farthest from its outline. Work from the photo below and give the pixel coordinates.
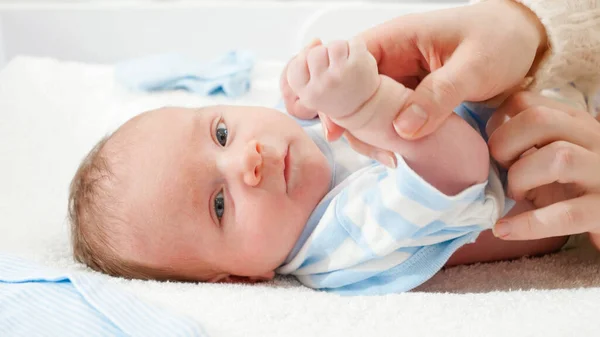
(230, 193)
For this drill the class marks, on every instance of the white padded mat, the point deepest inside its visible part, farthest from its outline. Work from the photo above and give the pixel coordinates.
(52, 112)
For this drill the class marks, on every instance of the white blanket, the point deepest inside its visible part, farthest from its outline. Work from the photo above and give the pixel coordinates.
(51, 113)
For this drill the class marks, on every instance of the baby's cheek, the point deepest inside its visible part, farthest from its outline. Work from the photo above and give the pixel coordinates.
(262, 236)
(251, 232)
(268, 228)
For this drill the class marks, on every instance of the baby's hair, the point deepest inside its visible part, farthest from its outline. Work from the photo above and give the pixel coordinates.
(91, 214)
(95, 214)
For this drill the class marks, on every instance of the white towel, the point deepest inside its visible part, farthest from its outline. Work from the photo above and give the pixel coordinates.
(52, 112)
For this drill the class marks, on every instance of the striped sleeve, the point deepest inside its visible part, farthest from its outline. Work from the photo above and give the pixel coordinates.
(77, 304)
(390, 230)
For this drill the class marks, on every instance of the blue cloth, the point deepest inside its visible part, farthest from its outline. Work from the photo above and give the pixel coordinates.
(381, 230)
(41, 301)
(229, 75)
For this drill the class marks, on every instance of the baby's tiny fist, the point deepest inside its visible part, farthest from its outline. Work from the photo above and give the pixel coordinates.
(335, 79)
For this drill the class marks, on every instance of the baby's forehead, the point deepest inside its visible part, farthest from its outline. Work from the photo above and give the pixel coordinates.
(148, 125)
(157, 147)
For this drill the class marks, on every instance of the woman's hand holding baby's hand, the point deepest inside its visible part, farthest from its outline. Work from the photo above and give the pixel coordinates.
(552, 152)
(466, 53)
(469, 53)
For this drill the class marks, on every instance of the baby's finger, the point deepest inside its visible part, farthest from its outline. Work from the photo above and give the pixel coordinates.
(384, 157)
(313, 43)
(290, 97)
(295, 108)
(318, 61)
(358, 52)
(298, 74)
(572, 216)
(560, 162)
(291, 101)
(332, 131)
(296, 71)
(338, 52)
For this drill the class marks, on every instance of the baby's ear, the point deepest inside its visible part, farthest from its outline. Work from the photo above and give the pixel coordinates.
(264, 277)
(224, 278)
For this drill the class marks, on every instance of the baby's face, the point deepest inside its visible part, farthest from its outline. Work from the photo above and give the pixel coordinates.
(227, 186)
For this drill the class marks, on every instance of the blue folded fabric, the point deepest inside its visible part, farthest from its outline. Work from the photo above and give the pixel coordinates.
(229, 75)
(41, 301)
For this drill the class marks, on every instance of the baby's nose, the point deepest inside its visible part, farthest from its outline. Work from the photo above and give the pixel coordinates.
(252, 161)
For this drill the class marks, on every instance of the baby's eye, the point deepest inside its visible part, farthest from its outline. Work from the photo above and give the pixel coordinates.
(219, 205)
(221, 133)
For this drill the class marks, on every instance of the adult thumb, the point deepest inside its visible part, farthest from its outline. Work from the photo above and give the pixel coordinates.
(436, 96)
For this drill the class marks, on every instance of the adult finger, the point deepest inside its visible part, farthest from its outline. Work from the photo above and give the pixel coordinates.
(386, 158)
(440, 92)
(393, 44)
(523, 100)
(537, 127)
(561, 162)
(567, 217)
(332, 131)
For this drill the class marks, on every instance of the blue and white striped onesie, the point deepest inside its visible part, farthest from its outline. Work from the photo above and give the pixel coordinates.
(381, 230)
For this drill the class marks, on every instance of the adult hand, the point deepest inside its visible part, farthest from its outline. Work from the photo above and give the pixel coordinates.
(552, 152)
(470, 53)
(467, 53)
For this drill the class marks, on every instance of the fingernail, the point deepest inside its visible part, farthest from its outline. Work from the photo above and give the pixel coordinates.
(314, 41)
(410, 121)
(386, 159)
(501, 229)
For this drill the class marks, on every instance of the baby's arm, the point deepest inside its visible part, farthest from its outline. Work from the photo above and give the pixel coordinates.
(341, 81)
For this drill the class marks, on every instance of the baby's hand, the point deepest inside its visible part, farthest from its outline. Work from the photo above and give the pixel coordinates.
(336, 79)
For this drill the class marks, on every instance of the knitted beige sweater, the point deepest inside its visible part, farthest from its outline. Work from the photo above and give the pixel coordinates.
(573, 28)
